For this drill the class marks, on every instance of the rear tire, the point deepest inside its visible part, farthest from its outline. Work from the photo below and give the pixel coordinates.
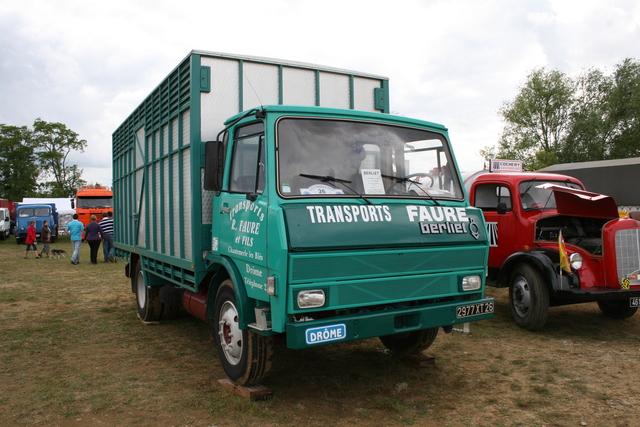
(618, 309)
(147, 297)
(244, 354)
(410, 342)
(529, 298)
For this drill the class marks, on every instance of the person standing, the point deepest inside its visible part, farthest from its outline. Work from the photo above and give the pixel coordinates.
(76, 230)
(31, 239)
(45, 236)
(93, 236)
(107, 237)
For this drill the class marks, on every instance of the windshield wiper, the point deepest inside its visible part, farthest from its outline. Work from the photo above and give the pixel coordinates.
(400, 180)
(327, 178)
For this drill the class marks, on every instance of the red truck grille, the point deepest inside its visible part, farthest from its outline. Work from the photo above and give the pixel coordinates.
(628, 256)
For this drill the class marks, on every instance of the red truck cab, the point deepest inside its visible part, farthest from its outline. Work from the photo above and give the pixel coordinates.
(529, 215)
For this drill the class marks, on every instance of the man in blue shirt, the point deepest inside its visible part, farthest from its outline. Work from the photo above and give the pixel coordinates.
(75, 229)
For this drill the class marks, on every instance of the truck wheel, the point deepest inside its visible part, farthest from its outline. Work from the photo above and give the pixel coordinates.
(410, 342)
(147, 298)
(617, 309)
(529, 298)
(244, 354)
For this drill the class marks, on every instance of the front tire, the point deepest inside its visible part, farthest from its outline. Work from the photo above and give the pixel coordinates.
(244, 354)
(529, 298)
(619, 309)
(147, 297)
(410, 342)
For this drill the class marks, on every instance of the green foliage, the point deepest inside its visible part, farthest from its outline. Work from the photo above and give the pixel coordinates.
(55, 142)
(34, 163)
(18, 168)
(558, 119)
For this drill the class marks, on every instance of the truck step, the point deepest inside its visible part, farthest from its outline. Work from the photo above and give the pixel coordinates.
(419, 360)
(252, 392)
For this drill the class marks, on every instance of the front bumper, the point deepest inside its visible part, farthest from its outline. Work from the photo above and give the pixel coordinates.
(374, 324)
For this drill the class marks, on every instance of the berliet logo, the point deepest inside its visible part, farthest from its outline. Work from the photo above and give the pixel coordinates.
(474, 229)
(443, 220)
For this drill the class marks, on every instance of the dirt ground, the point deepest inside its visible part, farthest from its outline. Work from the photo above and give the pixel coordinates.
(73, 353)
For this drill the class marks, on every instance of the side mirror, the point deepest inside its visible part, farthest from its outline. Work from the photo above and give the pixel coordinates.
(502, 208)
(213, 165)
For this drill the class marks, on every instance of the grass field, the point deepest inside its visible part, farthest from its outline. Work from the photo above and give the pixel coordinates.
(73, 353)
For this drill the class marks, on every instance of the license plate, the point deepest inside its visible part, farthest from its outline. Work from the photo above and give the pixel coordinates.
(474, 309)
(326, 333)
(634, 302)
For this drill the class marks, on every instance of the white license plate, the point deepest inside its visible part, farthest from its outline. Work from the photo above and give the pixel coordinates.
(634, 302)
(474, 309)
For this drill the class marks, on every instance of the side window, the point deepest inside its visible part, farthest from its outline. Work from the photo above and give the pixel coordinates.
(489, 195)
(247, 163)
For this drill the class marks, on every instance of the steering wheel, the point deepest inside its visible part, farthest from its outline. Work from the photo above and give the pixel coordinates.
(397, 188)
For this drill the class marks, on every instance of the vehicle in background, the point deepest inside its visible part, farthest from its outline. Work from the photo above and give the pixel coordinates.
(5, 223)
(605, 176)
(11, 207)
(552, 243)
(37, 212)
(93, 200)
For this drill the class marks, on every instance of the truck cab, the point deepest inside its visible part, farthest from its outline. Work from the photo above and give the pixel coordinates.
(38, 213)
(306, 211)
(93, 200)
(553, 243)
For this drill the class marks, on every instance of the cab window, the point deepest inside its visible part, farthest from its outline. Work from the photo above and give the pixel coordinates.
(488, 196)
(247, 163)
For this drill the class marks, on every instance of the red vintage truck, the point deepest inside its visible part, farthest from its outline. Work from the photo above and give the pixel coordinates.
(534, 220)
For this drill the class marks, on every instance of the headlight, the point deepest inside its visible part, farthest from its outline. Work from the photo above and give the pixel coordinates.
(311, 299)
(471, 283)
(575, 259)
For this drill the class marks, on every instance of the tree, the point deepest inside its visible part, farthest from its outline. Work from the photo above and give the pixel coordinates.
(557, 119)
(590, 127)
(54, 143)
(536, 120)
(18, 168)
(624, 110)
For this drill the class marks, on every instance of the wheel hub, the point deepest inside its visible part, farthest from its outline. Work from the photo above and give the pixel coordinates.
(229, 333)
(521, 296)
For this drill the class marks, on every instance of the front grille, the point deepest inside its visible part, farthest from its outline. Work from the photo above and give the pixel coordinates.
(627, 253)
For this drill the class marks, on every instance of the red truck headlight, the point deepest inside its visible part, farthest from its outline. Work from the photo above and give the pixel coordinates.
(575, 259)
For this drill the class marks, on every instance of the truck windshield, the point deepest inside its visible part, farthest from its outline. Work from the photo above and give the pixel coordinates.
(94, 202)
(31, 212)
(533, 197)
(321, 157)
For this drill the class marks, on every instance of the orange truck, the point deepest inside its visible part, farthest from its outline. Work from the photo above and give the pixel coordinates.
(93, 200)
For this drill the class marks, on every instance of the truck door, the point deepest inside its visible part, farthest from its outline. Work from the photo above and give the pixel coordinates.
(242, 211)
(495, 200)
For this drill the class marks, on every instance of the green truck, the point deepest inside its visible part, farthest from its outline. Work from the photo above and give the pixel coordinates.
(272, 198)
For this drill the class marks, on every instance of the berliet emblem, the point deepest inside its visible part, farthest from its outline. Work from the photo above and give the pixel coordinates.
(474, 229)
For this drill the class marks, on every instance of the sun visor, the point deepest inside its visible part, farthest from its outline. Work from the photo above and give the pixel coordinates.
(573, 202)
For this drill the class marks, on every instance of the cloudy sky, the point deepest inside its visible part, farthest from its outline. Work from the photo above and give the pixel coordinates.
(89, 64)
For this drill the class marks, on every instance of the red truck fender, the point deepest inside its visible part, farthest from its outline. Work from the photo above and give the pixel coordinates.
(544, 260)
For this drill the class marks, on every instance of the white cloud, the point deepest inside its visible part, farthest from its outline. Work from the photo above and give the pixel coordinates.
(89, 64)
